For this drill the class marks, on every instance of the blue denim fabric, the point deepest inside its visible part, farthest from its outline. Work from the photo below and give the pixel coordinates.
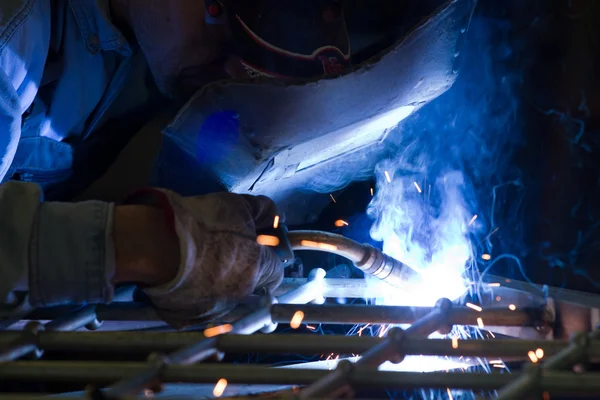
(62, 64)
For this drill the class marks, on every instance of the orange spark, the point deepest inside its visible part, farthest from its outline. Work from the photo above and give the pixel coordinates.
(267, 240)
(217, 330)
(533, 357)
(474, 307)
(323, 246)
(220, 387)
(297, 319)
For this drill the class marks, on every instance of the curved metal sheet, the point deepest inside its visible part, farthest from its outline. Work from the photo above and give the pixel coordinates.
(288, 132)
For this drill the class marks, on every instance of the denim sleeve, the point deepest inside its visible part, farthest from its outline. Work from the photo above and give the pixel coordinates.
(58, 252)
(24, 43)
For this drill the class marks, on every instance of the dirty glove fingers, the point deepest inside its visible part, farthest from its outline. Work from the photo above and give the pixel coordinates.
(264, 210)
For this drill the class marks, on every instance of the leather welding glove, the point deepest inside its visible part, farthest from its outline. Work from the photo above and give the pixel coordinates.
(220, 261)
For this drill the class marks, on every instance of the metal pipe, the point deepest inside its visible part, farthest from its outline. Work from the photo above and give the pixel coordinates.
(311, 290)
(576, 352)
(27, 342)
(559, 383)
(341, 314)
(134, 342)
(103, 372)
(357, 314)
(370, 260)
(207, 346)
(391, 349)
(77, 318)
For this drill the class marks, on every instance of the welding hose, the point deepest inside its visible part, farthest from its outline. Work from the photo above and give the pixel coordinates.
(367, 258)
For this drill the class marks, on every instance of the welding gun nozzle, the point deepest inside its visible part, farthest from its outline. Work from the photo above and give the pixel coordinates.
(367, 258)
(384, 267)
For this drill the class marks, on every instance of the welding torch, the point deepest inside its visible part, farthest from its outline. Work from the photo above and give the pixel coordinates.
(367, 258)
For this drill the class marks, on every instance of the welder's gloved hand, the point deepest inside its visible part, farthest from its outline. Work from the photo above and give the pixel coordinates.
(220, 261)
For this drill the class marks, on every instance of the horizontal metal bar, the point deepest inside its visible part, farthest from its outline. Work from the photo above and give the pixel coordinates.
(135, 342)
(529, 380)
(357, 314)
(334, 314)
(585, 299)
(105, 372)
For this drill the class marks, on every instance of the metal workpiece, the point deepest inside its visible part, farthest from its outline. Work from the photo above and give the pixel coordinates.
(24, 344)
(530, 379)
(309, 291)
(367, 258)
(76, 318)
(391, 349)
(558, 382)
(365, 314)
(342, 314)
(27, 343)
(86, 316)
(207, 346)
(136, 343)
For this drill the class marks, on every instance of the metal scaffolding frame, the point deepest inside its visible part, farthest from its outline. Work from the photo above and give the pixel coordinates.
(178, 356)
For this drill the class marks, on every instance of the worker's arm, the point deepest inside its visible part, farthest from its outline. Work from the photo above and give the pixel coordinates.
(194, 257)
(76, 252)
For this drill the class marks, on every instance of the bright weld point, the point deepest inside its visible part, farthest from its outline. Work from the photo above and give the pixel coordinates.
(455, 343)
(340, 222)
(486, 257)
(474, 307)
(472, 220)
(539, 353)
(494, 284)
(383, 330)
(372, 192)
(480, 323)
(512, 307)
(532, 357)
(276, 222)
(449, 394)
(217, 330)
(362, 329)
(498, 298)
(332, 198)
(492, 333)
(418, 187)
(312, 328)
(495, 362)
(220, 387)
(297, 319)
(387, 176)
(267, 240)
(322, 246)
(499, 366)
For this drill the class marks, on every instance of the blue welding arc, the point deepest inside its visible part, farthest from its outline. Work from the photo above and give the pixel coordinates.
(217, 136)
